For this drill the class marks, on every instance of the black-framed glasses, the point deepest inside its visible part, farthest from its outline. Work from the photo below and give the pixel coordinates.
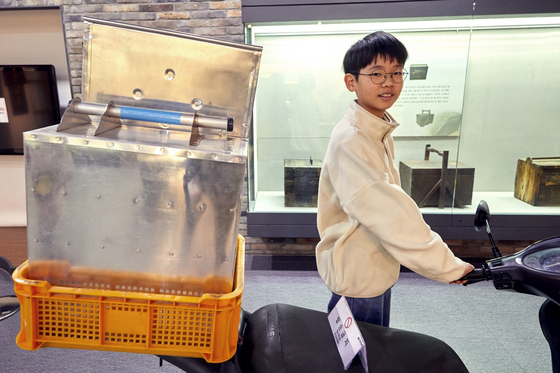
(379, 76)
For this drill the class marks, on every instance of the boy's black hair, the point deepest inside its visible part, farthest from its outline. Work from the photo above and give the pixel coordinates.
(370, 48)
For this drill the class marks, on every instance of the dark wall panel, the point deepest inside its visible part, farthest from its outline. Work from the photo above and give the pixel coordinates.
(324, 10)
(289, 10)
(495, 7)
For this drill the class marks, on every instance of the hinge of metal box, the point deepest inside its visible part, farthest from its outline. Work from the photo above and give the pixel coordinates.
(111, 117)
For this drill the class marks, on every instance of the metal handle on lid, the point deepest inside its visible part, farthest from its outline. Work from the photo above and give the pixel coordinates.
(79, 109)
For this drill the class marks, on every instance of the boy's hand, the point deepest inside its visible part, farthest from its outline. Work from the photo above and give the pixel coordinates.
(468, 269)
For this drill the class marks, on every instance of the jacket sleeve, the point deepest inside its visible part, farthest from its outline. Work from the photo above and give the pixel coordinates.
(389, 214)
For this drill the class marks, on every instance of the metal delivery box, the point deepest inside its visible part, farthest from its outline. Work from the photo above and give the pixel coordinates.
(140, 185)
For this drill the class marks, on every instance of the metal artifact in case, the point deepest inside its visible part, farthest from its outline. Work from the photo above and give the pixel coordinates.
(437, 184)
(419, 177)
(139, 187)
(301, 182)
(537, 181)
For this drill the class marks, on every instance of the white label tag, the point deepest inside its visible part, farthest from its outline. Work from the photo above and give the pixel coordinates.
(3, 111)
(347, 336)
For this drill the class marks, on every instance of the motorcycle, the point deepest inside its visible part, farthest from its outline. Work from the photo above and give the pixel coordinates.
(9, 304)
(284, 338)
(535, 270)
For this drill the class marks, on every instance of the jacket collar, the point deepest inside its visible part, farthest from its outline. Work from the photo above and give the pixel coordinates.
(369, 123)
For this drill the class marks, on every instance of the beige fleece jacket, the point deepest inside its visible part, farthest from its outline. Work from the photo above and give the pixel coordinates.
(368, 225)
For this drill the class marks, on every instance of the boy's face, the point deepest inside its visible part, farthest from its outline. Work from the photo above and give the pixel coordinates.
(376, 98)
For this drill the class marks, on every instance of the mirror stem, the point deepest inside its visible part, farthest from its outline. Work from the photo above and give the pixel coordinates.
(495, 250)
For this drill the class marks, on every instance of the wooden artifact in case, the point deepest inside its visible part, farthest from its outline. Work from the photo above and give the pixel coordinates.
(301, 182)
(537, 181)
(419, 177)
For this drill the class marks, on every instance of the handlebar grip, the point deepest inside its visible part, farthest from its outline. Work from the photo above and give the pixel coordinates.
(476, 275)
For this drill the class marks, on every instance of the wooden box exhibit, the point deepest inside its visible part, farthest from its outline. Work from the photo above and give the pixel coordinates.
(419, 177)
(301, 182)
(537, 181)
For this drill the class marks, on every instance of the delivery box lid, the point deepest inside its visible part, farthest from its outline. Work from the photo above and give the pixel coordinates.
(168, 70)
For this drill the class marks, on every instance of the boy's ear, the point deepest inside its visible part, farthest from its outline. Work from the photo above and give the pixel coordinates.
(350, 81)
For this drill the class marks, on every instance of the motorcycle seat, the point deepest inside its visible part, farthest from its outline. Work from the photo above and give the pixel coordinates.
(282, 338)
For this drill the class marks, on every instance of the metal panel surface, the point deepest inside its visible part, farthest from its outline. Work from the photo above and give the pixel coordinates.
(157, 214)
(109, 196)
(150, 68)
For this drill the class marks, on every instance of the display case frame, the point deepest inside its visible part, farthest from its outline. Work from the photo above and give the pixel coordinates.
(512, 219)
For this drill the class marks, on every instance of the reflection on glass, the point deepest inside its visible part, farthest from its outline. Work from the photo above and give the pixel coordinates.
(486, 91)
(301, 96)
(550, 261)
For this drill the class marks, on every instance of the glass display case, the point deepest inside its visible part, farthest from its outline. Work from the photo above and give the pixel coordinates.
(481, 89)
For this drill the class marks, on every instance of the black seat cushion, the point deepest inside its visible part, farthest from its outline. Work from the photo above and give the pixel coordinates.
(282, 338)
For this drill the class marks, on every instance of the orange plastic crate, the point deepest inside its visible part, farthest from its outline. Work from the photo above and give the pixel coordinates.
(161, 324)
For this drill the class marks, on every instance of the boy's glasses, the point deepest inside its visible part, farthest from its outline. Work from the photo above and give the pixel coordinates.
(379, 76)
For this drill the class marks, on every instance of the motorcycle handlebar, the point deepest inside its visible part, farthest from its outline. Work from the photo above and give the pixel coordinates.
(476, 275)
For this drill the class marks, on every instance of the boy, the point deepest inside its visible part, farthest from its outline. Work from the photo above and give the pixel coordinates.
(368, 225)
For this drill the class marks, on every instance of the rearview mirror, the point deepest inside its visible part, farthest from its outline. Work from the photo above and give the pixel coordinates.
(482, 216)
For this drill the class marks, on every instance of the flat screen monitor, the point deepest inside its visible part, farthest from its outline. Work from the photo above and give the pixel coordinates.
(28, 100)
